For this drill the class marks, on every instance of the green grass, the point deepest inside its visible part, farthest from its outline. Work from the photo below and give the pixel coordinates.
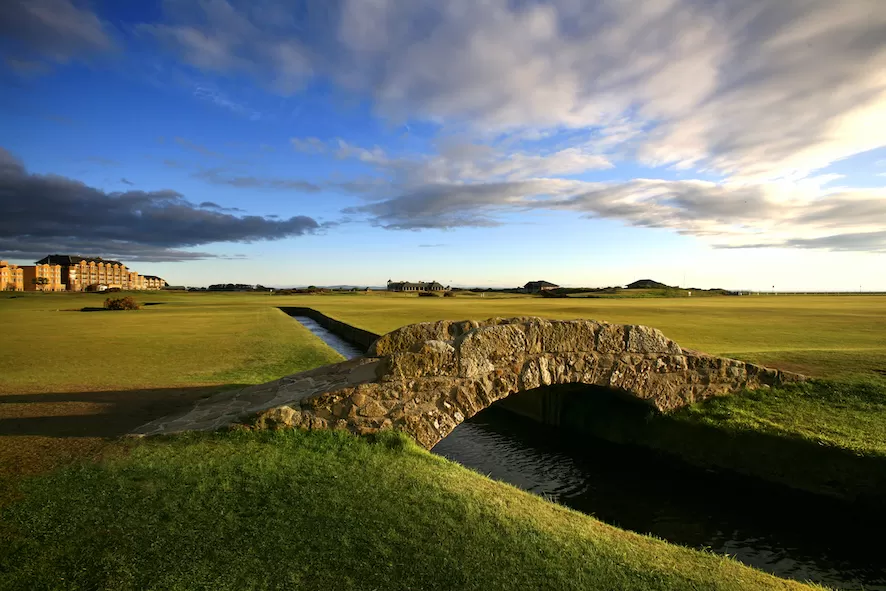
(296, 510)
(847, 414)
(180, 342)
(71, 380)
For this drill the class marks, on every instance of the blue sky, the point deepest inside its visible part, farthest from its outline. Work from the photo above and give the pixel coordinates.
(695, 142)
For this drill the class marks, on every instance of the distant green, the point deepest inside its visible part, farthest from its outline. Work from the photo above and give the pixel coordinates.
(323, 510)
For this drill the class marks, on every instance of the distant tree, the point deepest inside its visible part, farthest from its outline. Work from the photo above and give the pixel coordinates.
(40, 282)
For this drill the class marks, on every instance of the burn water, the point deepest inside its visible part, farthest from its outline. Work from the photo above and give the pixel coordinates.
(783, 532)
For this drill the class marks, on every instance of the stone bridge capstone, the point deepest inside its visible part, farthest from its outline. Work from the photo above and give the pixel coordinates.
(427, 378)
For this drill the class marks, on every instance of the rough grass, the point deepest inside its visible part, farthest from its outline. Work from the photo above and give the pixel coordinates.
(297, 510)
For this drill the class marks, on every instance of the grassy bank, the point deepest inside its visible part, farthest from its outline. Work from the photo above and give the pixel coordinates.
(322, 511)
(823, 437)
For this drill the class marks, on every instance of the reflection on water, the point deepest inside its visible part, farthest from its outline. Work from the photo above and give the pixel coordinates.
(787, 534)
(783, 533)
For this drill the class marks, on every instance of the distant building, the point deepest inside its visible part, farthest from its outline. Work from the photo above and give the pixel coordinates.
(76, 273)
(43, 278)
(11, 277)
(153, 282)
(417, 286)
(86, 273)
(647, 284)
(539, 286)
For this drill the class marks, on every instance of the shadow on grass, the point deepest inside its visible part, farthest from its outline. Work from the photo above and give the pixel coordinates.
(40, 432)
(94, 414)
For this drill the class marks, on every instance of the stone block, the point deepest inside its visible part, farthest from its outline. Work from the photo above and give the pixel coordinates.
(642, 339)
(278, 418)
(535, 336)
(482, 349)
(535, 373)
(430, 358)
(572, 335)
(610, 338)
(405, 337)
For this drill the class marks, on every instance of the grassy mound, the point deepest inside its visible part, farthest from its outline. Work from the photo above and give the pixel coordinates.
(325, 510)
(823, 436)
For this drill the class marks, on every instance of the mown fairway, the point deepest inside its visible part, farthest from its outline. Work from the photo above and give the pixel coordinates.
(818, 335)
(50, 346)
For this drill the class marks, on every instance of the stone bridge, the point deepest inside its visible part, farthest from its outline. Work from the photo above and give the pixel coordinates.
(427, 378)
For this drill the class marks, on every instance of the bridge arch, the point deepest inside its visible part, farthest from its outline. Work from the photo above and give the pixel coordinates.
(425, 379)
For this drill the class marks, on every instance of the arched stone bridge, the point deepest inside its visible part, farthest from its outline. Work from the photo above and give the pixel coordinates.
(427, 378)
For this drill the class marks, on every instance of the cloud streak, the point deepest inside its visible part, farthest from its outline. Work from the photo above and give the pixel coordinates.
(218, 176)
(733, 216)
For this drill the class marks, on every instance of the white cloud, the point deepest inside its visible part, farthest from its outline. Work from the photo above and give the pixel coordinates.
(757, 93)
(755, 89)
(726, 215)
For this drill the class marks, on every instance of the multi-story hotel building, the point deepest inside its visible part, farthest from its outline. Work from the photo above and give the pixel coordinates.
(43, 278)
(11, 277)
(153, 282)
(87, 274)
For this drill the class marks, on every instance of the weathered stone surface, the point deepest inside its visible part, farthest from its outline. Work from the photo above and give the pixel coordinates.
(429, 358)
(576, 335)
(642, 339)
(481, 350)
(427, 378)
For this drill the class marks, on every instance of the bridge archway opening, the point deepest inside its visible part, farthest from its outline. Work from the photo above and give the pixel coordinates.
(601, 411)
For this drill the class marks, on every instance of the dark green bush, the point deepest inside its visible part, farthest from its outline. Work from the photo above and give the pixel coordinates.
(127, 303)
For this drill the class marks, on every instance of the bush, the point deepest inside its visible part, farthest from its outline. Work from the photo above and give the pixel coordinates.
(127, 303)
(428, 294)
(448, 294)
(113, 290)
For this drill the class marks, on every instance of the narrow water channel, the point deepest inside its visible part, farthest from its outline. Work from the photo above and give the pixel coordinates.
(787, 534)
